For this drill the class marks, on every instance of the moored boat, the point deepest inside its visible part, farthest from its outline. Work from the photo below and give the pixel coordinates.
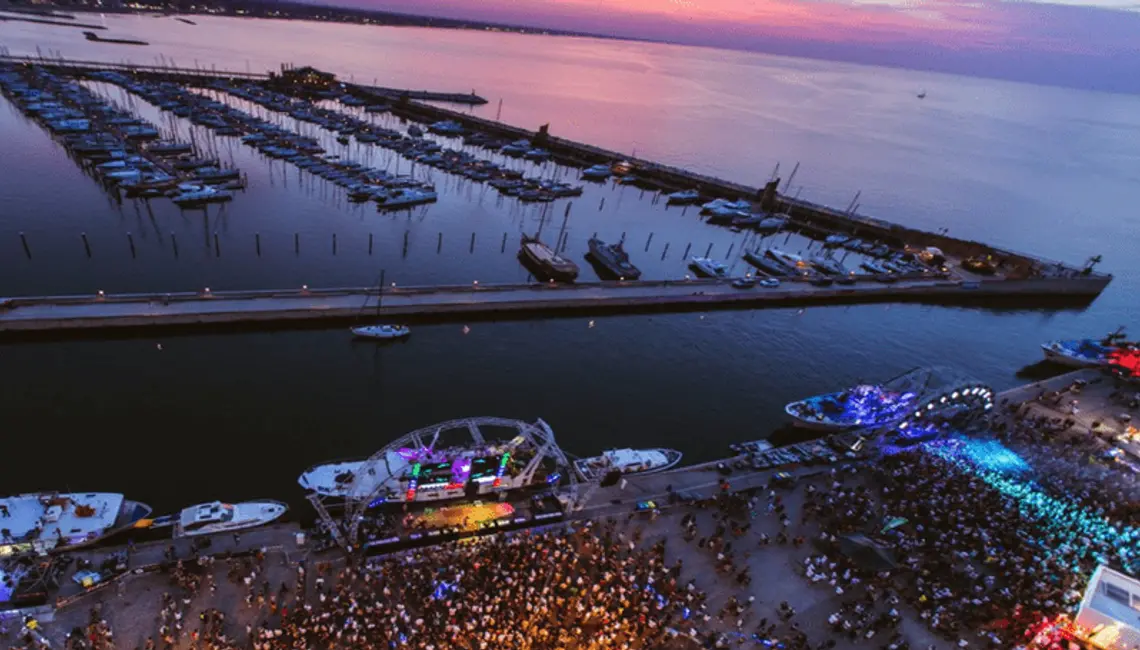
(382, 332)
(545, 261)
(46, 522)
(627, 461)
(218, 517)
(1086, 353)
(684, 197)
(596, 173)
(612, 259)
(709, 268)
(861, 406)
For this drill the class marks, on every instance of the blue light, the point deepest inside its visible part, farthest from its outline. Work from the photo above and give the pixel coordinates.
(442, 589)
(553, 478)
(986, 455)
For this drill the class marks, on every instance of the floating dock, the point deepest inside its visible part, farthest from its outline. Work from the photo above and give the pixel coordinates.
(61, 314)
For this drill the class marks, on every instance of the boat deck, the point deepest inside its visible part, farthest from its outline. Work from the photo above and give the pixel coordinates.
(26, 518)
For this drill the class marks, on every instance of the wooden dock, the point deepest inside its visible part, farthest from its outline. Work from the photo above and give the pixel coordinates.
(266, 309)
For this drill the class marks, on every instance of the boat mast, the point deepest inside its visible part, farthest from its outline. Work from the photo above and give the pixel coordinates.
(379, 293)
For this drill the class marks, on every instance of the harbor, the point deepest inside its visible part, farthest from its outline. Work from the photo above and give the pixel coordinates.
(668, 507)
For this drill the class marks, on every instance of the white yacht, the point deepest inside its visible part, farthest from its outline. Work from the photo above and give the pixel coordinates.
(194, 195)
(218, 517)
(684, 197)
(596, 173)
(382, 332)
(627, 461)
(55, 521)
(709, 267)
(404, 197)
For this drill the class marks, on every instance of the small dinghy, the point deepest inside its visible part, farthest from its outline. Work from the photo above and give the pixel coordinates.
(382, 331)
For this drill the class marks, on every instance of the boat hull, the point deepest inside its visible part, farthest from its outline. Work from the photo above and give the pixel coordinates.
(1060, 358)
(586, 473)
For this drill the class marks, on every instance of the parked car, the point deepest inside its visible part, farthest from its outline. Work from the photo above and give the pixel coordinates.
(770, 283)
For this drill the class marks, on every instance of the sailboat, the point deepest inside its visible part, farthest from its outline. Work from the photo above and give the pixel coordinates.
(381, 332)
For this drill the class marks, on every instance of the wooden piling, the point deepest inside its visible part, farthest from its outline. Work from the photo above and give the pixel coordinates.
(472, 248)
(174, 243)
(686, 253)
(296, 243)
(708, 251)
(334, 243)
(257, 242)
(665, 251)
(131, 241)
(649, 239)
(369, 243)
(86, 245)
(24, 241)
(439, 243)
(503, 248)
(217, 245)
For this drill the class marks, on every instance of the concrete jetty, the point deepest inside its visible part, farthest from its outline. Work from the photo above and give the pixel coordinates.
(61, 314)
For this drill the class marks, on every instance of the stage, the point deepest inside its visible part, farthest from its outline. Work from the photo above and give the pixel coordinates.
(465, 518)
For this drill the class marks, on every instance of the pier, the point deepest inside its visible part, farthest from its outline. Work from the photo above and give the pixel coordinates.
(298, 306)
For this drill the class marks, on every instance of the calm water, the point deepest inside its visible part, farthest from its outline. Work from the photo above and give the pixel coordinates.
(176, 420)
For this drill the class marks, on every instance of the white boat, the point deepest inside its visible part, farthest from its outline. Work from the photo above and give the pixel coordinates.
(218, 517)
(596, 173)
(726, 205)
(516, 148)
(404, 197)
(684, 196)
(382, 331)
(709, 267)
(53, 521)
(446, 127)
(1086, 353)
(189, 196)
(867, 405)
(627, 461)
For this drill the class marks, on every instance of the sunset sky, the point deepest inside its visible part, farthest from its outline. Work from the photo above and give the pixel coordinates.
(1091, 43)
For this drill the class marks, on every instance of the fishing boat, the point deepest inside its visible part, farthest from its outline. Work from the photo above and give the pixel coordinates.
(627, 461)
(464, 458)
(46, 522)
(545, 262)
(382, 331)
(1086, 353)
(709, 268)
(861, 406)
(218, 517)
(612, 260)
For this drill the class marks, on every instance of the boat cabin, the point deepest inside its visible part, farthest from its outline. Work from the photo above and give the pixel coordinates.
(40, 522)
(207, 514)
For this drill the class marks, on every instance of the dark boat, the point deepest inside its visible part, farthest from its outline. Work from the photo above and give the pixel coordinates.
(92, 36)
(544, 262)
(770, 266)
(611, 260)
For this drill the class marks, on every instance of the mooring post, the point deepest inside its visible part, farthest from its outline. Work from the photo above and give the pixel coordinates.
(86, 246)
(334, 243)
(24, 241)
(296, 243)
(602, 204)
(568, 206)
(649, 239)
(666, 250)
(217, 246)
(686, 253)
(174, 243)
(730, 247)
(708, 251)
(472, 249)
(439, 243)
(131, 241)
(406, 240)
(257, 242)
(369, 243)
(503, 248)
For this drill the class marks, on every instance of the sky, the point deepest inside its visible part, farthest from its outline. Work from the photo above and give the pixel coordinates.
(1082, 43)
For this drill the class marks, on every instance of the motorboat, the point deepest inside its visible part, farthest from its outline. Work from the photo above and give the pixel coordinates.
(415, 131)
(537, 155)
(498, 455)
(199, 195)
(46, 522)
(516, 148)
(767, 264)
(404, 197)
(446, 127)
(1087, 353)
(862, 406)
(796, 263)
(627, 462)
(216, 174)
(381, 332)
(684, 197)
(218, 517)
(596, 173)
(718, 204)
(545, 261)
(612, 259)
(771, 224)
(875, 267)
(709, 268)
(831, 241)
(827, 264)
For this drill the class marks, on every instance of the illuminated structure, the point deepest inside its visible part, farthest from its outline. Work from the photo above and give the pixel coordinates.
(448, 461)
(1106, 617)
(308, 79)
(947, 401)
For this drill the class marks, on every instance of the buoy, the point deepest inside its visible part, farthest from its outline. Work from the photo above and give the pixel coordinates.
(591, 323)
(159, 346)
(466, 330)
